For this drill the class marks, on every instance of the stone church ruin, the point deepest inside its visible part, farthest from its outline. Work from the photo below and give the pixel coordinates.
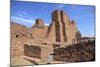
(36, 45)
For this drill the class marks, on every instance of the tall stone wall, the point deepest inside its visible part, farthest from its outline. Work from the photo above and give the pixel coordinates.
(63, 29)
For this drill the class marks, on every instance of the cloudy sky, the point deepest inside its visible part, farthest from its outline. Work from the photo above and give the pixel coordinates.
(26, 13)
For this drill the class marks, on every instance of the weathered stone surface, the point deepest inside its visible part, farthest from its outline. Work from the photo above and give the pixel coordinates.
(39, 23)
(62, 29)
(80, 52)
(40, 40)
(32, 51)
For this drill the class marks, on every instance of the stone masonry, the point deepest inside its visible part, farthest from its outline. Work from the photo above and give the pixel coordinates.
(34, 45)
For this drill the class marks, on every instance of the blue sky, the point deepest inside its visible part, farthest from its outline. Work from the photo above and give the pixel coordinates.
(26, 13)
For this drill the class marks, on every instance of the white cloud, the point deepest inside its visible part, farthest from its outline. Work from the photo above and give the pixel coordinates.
(24, 14)
(22, 19)
(47, 24)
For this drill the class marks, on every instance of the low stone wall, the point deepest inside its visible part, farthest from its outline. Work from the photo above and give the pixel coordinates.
(38, 51)
(32, 51)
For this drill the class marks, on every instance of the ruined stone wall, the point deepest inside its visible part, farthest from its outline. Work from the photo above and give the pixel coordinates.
(17, 49)
(71, 33)
(39, 33)
(39, 29)
(32, 51)
(41, 39)
(64, 29)
(39, 23)
(79, 52)
(50, 34)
